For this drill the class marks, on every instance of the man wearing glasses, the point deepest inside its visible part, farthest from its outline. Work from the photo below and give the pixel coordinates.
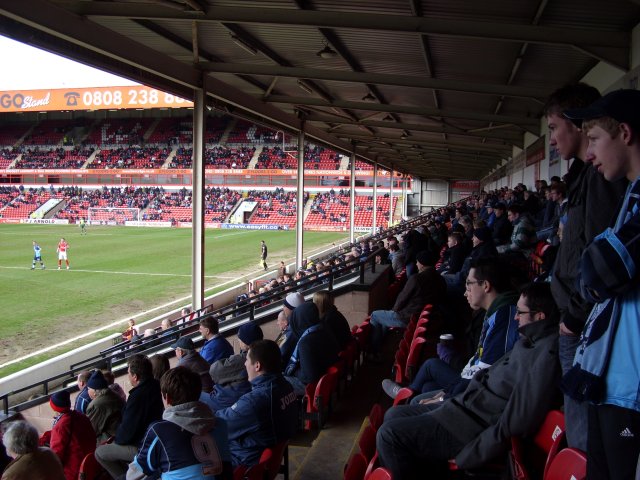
(488, 287)
(509, 398)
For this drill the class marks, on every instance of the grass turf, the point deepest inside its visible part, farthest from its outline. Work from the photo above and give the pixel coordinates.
(117, 272)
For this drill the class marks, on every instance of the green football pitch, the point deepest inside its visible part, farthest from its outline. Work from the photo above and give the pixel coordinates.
(118, 272)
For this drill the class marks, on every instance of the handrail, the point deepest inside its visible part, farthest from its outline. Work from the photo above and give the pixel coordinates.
(247, 309)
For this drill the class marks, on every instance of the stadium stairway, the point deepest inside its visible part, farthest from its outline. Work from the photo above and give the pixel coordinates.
(91, 158)
(256, 156)
(170, 157)
(344, 163)
(227, 131)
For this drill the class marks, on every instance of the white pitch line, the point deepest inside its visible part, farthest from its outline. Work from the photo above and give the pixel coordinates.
(137, 315)
(116, 272)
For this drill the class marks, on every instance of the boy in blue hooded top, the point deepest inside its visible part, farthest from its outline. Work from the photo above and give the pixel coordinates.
(189, 443)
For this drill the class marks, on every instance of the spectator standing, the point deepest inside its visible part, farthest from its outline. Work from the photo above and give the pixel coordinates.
(30, 462)
(268, 414)
(143, 407)
(606, 369)
(591, 203)
(189, 442)
(501, 226)
(215, 346)
(72, 436)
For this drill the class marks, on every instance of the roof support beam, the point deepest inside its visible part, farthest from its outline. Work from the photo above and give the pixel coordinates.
(374, 78)
(360, 20)
(531, 124)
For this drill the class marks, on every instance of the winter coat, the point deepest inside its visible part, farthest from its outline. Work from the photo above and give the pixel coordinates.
(105, 414)
(194, 362)
(509, 398)
(42, 464)
(143, 407)
(72, 438)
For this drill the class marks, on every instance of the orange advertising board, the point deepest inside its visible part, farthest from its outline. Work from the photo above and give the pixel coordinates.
(98, 98)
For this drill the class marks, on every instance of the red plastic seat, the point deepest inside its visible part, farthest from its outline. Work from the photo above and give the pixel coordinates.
(367, 442)
(90, 469)
(255, 472)
(380, 473)
(376, 416)
(356, 467)
(568, 464)
(413, 359)
(317, 399)
(274, 457)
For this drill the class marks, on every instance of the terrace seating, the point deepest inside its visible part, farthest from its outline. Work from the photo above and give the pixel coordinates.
(124, 131)
(315, 158)
(331, 209)
(274, 208)
(132, 157)
(11, 134)
(54, 158)
(48, 132)
(26, 203)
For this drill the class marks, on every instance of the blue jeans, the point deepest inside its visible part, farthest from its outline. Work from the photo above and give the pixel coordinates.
(381, 321)
(410, 443)
(576, 413)
(434, 374)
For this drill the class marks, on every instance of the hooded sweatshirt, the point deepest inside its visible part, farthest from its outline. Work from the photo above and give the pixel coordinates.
(175, 445)
(316, 348)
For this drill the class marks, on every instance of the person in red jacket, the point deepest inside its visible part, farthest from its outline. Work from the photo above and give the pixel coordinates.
(72, 436)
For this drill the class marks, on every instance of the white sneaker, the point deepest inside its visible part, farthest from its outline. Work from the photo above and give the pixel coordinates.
(67, 267)
(58, 268)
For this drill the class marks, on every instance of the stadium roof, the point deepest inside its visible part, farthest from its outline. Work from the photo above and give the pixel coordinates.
(437, 89)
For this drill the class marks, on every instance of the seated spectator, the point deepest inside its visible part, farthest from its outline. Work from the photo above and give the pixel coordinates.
(131, 331)
(30, 462)
(159, 365)
(292, 301)
(105, 409)
(72, 436)
(189, 442)
(454, 255)
(488, 287)
(427, 286)
(315, 351)
(83, 399)
(397, 258)
(283, 324)
(111, 380)
(215, 347)
(502, 227)
(268, 414)
(507, 399)
(230, 374)
(523, 236)
(190, 358)
(332, 319)
(143, 406)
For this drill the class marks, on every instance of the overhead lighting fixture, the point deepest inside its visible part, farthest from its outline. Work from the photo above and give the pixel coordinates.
(304, 86)
(327, 52)
(388, 118)
(368, 98)
(247, 47)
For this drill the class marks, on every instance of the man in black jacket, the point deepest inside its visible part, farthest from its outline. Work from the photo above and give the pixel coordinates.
(425, 287)
(143, 406)
(592, 203)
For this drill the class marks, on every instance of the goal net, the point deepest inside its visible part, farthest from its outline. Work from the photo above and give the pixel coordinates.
(112, 215)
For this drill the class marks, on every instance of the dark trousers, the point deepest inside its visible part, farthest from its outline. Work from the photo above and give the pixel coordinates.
(434, 374)
(410, 443)
(613, 443)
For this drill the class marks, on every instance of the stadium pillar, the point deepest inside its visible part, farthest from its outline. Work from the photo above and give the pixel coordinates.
(352, 194)
(375, 198)
(404, 197)
(391, 174)
(300, 198)
(197, 206)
